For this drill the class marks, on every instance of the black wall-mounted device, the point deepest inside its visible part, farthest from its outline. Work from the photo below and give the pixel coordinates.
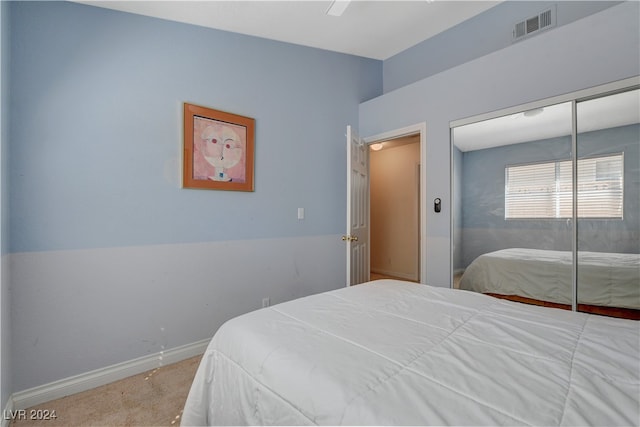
(437, 205)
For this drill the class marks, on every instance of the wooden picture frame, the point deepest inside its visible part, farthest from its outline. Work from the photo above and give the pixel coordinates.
(218, 150)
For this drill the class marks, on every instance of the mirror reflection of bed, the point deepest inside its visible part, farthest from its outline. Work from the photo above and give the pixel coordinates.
(516, 222)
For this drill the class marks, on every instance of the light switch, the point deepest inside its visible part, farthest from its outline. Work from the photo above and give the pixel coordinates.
(300, 213)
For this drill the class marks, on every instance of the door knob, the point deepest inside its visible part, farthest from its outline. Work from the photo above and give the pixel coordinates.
(350, 238)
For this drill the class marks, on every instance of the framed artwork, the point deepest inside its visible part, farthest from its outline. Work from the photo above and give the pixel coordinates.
(218, 151)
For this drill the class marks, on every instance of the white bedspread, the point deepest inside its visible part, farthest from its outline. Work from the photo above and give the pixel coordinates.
(392, 352)
(604, 279)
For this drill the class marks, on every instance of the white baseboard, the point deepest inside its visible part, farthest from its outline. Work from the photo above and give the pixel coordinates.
(78, 383)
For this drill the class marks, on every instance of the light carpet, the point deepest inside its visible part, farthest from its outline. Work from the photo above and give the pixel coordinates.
(153, 398)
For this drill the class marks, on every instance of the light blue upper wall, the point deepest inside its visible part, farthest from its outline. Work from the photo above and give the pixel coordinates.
(96, 109)
(595, 50)
(476, 37)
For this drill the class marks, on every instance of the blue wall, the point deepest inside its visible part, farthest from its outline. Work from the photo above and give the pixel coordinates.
(96, 137)
(476, 37)
(484, 228)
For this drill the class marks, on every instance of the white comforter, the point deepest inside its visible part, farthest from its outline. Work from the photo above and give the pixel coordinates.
(604, 279)
(391, 352)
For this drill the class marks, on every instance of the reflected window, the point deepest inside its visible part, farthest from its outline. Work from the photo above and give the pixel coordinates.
(544, 190)
(601, 187)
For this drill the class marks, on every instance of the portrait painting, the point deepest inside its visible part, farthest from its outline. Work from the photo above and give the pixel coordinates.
(218, 150)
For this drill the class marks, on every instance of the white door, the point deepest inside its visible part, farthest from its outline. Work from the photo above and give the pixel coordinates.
(357, 237)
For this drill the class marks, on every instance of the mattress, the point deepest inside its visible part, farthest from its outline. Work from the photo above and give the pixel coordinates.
(398, 353)
(604, 279)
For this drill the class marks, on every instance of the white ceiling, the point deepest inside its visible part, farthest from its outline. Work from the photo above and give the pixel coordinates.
(371, 28)
(600, 113)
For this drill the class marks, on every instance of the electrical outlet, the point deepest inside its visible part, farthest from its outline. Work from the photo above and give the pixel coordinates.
(266, 302)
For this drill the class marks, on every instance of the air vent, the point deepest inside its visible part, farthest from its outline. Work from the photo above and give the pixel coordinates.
(535, 24)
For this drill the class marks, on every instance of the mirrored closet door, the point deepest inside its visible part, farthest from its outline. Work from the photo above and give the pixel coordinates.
(545, 205)
(608, 202)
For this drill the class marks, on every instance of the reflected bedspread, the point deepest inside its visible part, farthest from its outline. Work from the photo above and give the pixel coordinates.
(604, 279)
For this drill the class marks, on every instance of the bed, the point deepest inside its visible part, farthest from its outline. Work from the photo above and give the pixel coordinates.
(398, 353)
(605, 279)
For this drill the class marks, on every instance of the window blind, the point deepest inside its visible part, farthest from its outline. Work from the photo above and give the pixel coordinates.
(545, 190)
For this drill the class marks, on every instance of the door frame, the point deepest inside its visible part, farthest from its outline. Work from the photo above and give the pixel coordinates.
(416, 129)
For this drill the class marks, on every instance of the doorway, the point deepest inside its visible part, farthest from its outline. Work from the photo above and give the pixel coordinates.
(397, 187)
(395, 208)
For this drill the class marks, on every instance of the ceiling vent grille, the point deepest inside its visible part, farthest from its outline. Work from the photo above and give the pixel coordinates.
(535, 24)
